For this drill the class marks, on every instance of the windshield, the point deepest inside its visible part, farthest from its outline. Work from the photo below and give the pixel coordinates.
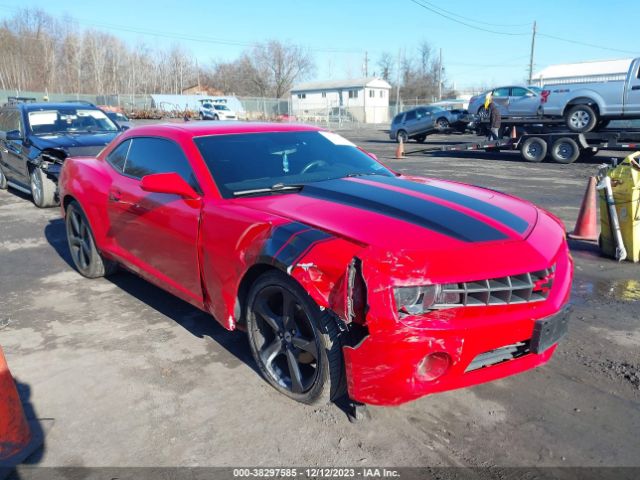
(221, 107)
(433, 109)
(538, 90)
(69, 120)
(243, 162)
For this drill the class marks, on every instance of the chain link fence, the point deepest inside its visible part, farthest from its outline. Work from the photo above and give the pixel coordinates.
(254, 108)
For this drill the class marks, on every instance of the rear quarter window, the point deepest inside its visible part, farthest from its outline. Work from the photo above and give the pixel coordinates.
(118, 156)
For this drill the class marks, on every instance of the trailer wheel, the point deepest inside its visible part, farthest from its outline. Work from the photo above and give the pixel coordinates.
(581, 118)
(533, 149)
(565, 150)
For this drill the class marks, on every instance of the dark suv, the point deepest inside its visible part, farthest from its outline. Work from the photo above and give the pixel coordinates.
(35, 138)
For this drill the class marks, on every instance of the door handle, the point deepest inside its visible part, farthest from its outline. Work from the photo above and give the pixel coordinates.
(115, 195)
(635, 87)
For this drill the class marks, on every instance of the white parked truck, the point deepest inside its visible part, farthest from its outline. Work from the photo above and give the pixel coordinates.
(592, 103)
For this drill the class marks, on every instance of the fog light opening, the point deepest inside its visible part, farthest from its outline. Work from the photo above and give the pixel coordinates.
(433, 366)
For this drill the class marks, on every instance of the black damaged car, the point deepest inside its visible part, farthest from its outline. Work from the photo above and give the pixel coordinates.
(35, 138)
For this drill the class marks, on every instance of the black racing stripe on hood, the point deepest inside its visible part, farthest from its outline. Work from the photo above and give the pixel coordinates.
(505, 217)
(418, 211)
(289, 242)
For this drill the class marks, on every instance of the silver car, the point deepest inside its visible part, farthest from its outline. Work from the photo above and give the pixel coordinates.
(416, 124)
(512, 101)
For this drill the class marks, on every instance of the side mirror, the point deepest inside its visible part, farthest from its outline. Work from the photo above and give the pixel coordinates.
(530, 94)
(124, 127)
(13, 135)
(372, 155)
(169, 183)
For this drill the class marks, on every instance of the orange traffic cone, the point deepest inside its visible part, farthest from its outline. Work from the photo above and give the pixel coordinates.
(513, 133)
(15, 435)
(586, 225)
(400, 149)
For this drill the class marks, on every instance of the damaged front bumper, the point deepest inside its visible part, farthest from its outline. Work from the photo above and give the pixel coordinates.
(402, 359)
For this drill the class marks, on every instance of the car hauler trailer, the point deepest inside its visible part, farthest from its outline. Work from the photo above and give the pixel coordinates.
(535, 140)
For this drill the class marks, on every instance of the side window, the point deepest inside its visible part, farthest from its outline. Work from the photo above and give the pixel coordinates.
(411, 115)
(118, 156)
(518, 92)
(11, 120)
(501, 92)
(155, 155)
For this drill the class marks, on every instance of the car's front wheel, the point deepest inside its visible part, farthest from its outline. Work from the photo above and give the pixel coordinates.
(295, 344)
(43, 189)
(442, 124)
(82, 245)
(3, 180)
(402, 136)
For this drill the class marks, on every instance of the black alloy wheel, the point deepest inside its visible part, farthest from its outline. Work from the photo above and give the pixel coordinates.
(294, 343)
(82, 245)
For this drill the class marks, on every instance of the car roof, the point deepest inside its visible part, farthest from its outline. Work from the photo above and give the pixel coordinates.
(204, 128)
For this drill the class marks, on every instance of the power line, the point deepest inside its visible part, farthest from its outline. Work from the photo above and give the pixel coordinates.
(587, 44)
(466, 24)
(473, 20)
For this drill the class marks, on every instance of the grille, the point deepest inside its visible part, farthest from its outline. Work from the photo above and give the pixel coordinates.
(509, 290)
(499, 355)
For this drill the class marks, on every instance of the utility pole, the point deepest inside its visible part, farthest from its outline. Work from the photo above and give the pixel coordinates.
(440, 76)
(533, 46)
(365, 67)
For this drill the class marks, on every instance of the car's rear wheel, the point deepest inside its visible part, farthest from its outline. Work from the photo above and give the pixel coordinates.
(43, 189)
(82, 245)
(565, 150)
(295, 344)
(581, 118)
(402, 135)
(533, 149)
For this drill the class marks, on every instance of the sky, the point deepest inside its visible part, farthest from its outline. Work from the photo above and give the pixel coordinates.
(483, 43)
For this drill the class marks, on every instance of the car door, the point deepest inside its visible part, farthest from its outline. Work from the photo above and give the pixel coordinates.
(501, 99)
(14, 152)
(523, 102)
(410, 122)
(424, 120)
(156, 234)
(632, 98)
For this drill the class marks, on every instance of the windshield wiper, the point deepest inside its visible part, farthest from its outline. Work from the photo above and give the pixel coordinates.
(276, 188)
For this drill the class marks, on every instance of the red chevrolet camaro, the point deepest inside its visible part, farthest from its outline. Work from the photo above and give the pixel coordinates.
(346, 275)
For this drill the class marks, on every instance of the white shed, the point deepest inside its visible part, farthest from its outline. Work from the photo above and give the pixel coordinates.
(597, 71)
(364, 99)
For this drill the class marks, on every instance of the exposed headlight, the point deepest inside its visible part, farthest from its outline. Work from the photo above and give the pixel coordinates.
(421, 299)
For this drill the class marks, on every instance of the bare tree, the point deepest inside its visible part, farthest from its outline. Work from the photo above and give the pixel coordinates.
(386, 64)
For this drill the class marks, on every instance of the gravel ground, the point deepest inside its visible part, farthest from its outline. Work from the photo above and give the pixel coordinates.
(120, 373)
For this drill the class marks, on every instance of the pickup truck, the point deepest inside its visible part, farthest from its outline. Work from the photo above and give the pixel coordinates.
(591, 105)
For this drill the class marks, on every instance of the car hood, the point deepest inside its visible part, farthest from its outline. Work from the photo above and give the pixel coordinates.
(75, 144)
(409, 213)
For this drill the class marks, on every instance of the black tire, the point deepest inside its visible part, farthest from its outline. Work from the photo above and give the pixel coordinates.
(307, 340)
(533, 149)
(402, 134)
(420, 138)
(565, 150)
(581, 118)
(215, 117)
(3, 180)
(442, 124)
(82, 245)
(43, 189)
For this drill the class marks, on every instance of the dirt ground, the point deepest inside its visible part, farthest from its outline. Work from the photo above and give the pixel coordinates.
(120, 373)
